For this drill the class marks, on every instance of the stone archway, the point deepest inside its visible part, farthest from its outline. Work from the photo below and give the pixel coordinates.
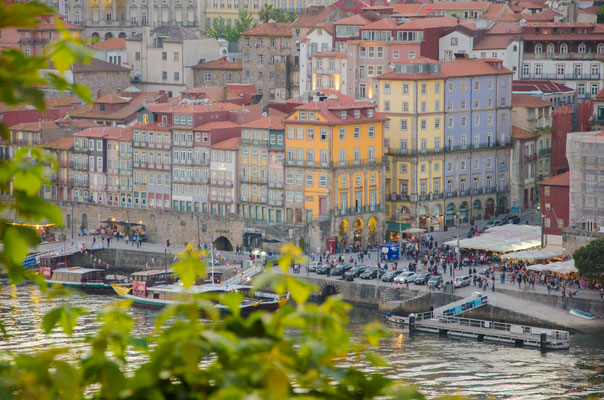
(464, 209)
(122, 35)
(327, 290)
(423, 217)
(343, 233)
(476, 210)
(450, 215)
(489, 209)
(108, 35)
(95, 35)
(223, 244)
(436, 220)
(357, 235)
(372, 230)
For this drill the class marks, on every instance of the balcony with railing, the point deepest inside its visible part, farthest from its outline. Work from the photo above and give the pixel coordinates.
(335, 164)
(79, 165)
(124, 188)
(201, 161)
(530, 158)
(465, 192)
(358, 210)
(249, 179)
(424, 197)
(398, 197)
(80, 149)
(566, 76)
(413, 152)
(490, 189)
(255, 142)
(477, 191)
(201, 179)
(451, 194)
(275, 184)
(545, 152)
(276, 202)
(221, 182)
(80, 181)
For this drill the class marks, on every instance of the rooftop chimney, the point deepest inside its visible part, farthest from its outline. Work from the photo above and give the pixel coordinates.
(98, 93)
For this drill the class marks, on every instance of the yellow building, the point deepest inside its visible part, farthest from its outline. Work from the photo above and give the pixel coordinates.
(414, 103)
(334, 167)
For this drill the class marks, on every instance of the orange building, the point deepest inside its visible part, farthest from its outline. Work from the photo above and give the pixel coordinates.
(334, 167)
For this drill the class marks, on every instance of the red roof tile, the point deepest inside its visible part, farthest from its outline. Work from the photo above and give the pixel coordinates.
(330, 110)
(270, 29)
(229, 144)
(457, 5)
(520, 133)
(558, 180)
(455, 68)
(271, 122)
(64, 143)
(434, 22)
(384, 23)
(355, 20)
(529, 101)
(334, 54)
(107, 132)
(110, 44)
(312, 17)
(216, 125)
(193, 108)
(34, 126)
(221, 63)
(406, 8)
(493, 42)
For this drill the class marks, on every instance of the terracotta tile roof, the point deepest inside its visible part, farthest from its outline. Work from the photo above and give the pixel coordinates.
(506, 28)
(61, 101)
(384, 23)
(407, 8)
(216, 125)
(112, 98)
(152, 126)
(511, 17)
(494, 10)
(541, 86)
(353, 20)
(229, 144)
(600, 95)
(110, 44)
(434, 22)
(270, 29)
(334, 54)
(528, 4)
(193, 108)
(96, 65)
(45, 24)
(529, 101)
(312, 17)
(457, 5)
(493, 42)
(520, 133)
(271, 122)
(330, 111)
(107, 132)
(85, 123)
(87, 111)
(559, 180)
(221, 63)
(545, 15)
(595, 10)
(34, 126)
(457, 68)
(564, 37)
(64, 143)
(330, 92)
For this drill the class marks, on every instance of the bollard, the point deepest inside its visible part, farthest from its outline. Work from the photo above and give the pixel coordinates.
(411, 322)
(543, 340)
(481, 337)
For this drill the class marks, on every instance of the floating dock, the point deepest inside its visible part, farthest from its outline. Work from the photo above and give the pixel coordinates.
(490, 331)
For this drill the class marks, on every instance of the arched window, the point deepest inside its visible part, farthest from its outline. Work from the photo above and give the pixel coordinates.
(581, 48)
(539, 48)
(600, 48)
(563, 48)
(550, 48)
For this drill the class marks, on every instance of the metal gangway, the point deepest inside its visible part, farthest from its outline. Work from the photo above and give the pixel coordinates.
(244, 275)
(459, 307)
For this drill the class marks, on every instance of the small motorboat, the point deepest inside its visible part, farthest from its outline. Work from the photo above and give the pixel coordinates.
(397, 319)
(581, 314)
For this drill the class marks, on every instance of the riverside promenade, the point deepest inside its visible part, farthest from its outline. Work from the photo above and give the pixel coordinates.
(533, 305)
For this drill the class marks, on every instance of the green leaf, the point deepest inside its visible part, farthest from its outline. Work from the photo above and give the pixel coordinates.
(65, 316)
(233, 301)
(299, 290)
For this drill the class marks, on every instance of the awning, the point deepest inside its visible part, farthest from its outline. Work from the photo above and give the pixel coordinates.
(561, 267)
(414, 230)
(503, 239)
(530, 255)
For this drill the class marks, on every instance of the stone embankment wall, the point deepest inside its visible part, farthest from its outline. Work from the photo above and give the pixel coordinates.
(595, 307)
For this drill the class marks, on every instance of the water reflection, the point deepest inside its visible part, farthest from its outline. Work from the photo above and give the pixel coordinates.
(437, 365)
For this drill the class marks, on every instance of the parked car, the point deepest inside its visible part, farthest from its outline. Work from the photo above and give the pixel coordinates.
(341, 269)
(323, 270)
(462, 281)
(370, 273)
(406, 277)
(510, 219)
(422, 279)
(390, 275)
(312, 267)
(492, 223)
(435, 281)
(356, 271)
(271, 261)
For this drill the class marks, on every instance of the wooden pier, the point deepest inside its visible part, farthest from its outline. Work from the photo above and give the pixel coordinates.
(490, 331)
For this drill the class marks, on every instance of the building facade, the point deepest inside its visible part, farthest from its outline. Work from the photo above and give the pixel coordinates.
(554, 209)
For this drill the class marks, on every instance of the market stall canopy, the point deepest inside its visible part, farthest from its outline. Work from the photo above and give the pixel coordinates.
(561, 267)
(414, 230)
(503, 239)
(537, 254)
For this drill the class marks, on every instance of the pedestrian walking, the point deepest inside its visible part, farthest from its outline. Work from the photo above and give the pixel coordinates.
(168, 243)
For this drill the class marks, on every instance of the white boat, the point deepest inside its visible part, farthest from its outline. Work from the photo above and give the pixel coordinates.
(397, 319)
(581, 314)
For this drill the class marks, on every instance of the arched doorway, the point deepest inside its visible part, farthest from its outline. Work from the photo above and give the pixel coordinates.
(450, 215)
(357, 235)
(405, 211)
(108, 35)
(122, 35)
(437, 217)
(95, 35)
(503, 206)
(372, 230)
(343, 234)
(476, 210)
(223, 244)
(84, 222)
(423, 217)
(489, 209)
(463, 212)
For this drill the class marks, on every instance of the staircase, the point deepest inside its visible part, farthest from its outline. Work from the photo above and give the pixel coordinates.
(242, 277)
(459, 307)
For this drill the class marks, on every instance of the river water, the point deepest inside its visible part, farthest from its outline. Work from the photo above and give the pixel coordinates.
(436, 365)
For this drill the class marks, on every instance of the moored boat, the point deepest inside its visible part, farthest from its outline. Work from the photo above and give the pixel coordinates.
(581, 314)
(157, 289)
(91, 280)
(397, 319)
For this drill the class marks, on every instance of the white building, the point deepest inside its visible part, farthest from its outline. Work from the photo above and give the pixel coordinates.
(318, 40)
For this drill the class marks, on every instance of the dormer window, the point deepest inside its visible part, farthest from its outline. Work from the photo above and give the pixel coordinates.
(164, 120)
(582, 48)
(357, 113)
(343, 115)
(311, 115)
(303, 115)
(370, 113)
